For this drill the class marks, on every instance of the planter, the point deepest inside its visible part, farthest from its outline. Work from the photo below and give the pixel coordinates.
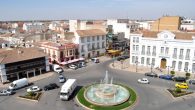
(176, 94)
(36, 97)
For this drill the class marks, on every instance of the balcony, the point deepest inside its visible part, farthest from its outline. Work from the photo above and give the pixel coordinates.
(187, 58)
(164, 55)
(174, 56)
(153, 54)
(180, 56)
(148, 53)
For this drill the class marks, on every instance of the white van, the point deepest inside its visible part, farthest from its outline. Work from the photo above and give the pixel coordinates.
(57, 68)
(67, 89)
(18, 84)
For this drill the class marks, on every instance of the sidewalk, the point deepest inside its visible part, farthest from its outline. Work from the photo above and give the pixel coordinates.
(32, 79)
(141, 69)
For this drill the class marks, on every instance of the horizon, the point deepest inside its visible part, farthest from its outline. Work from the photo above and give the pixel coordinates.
(22, 10)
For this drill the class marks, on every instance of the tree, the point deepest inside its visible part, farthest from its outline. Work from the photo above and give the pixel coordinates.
(172, 73)
(187, 75)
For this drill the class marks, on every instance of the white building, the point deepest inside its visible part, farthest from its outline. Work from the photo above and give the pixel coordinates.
(145, 24)
(119, 27)
(165, 49)
(91, 42)
(34, 27)
(187, 24)
(76, 25)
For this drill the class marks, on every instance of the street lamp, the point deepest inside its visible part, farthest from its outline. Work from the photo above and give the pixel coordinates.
(136, 64)
(168, 69)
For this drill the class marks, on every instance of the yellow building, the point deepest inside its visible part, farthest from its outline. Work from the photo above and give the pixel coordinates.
(171, 23)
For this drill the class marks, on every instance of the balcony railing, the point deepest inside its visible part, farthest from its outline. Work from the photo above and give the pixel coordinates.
(180, 56)
(174, 56)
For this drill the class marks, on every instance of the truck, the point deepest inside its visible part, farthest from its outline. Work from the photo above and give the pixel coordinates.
(67, 89)
(18, 84)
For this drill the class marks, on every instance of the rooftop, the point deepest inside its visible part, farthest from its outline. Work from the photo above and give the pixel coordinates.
(90, 32)
(21, 54)
(178, 35)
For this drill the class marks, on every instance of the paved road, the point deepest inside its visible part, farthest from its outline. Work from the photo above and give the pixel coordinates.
(151, 97)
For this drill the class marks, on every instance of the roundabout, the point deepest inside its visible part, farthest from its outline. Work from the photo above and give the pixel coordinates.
(106, 95)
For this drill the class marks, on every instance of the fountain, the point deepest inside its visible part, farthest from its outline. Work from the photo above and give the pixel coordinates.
(106, 93)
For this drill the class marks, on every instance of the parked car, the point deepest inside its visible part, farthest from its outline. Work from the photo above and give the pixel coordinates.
(61, 78)
(151, 74)
(5, 92)
(57, 68)
(192, 81)
(51, 86)
(120, 58)
(95, 60)
(167, 77)
(81, 64)
(143, 81)
(179, 79)
(182, 85)
(19, 84)
(74, 67)
(33, 89)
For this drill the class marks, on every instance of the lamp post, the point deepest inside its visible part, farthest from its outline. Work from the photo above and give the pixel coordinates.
(168, 69)
(136, 64)
(151, 67)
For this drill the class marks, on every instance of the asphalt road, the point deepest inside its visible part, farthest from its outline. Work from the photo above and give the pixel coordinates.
(150, 97)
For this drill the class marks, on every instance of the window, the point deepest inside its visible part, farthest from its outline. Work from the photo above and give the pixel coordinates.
(187, 54)
(175, 53)
(162, 50)
(173, 64)
(103, 46)
(148, 61)
(137, 47)
(179, 65)
(154, 51)
(137, 39)
(103, 37)
(89, 47)
(153, 61)
(88, 39)
(181, 54)
(93, 38)
(98, 45)
(193, 67)
(142, 60)
(134, 39)
(143, 49)
(93, 46)
(148, 50)
(133, 47)
(82, 48)
(186, 66)
(98, 38)
(71, 52)
(167, 50)
(133, 59)
(82, 40)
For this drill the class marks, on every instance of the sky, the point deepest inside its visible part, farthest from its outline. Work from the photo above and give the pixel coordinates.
(94, 9)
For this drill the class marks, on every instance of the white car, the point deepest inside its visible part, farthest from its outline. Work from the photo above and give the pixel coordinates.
(143, 81)
(61, 79)
(73, 67)
(34, 89)
(6, 92)
(57, 68)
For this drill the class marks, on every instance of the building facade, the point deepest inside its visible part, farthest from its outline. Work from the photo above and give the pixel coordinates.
(19, 63)
(91, 42)
(61, 52)
(166, 50)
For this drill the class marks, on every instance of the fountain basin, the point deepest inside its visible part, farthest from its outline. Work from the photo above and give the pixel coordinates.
(106, 94)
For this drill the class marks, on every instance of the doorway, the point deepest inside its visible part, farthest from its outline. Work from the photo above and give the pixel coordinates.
(163, 63)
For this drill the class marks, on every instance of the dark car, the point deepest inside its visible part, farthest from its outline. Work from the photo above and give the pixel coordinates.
(120, 58)
(192, 81)
(51, 86)
(125, 56)
(179, 79)
(151, 74)
(167, 77)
